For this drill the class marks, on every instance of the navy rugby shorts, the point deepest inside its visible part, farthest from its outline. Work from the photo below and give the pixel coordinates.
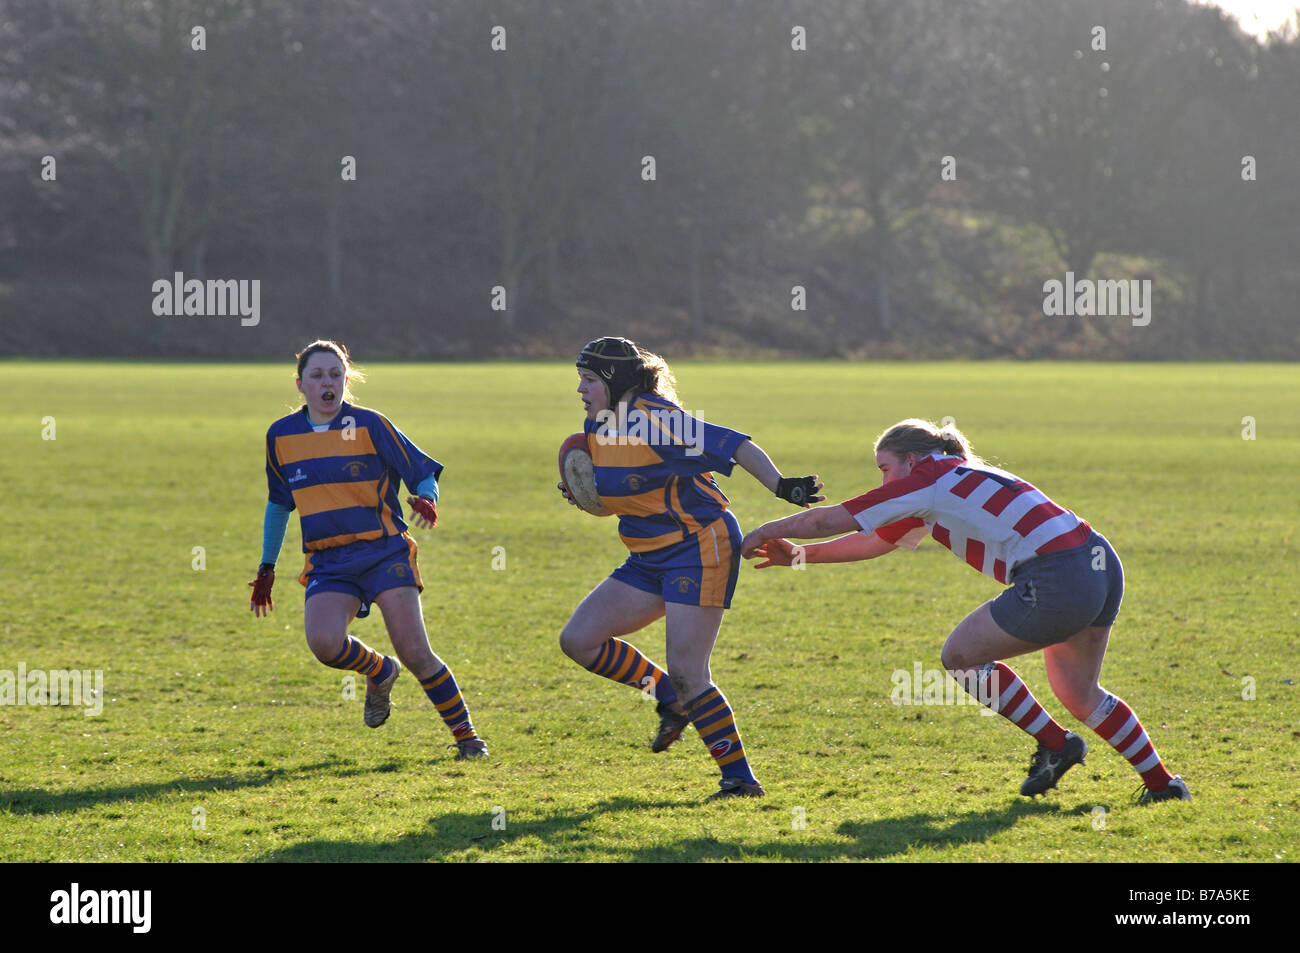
(1056, 595)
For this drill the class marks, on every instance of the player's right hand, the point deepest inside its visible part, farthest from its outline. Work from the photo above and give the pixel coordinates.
(261, 602)
(779, 552)
(564, 492)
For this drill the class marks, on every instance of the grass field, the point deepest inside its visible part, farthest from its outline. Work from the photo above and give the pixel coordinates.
(222, 739)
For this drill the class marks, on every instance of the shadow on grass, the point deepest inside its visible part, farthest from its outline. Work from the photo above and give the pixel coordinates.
(870, 840)
(39, 801)
(453, 833)
(563, 838)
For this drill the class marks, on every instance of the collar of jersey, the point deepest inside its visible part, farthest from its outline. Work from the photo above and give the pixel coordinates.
(343, 405)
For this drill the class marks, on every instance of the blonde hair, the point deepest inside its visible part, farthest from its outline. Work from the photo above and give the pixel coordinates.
(350, 373)
(659, 378)
(923, 437)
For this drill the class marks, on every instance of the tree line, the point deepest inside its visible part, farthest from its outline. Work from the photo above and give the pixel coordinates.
(860, 178)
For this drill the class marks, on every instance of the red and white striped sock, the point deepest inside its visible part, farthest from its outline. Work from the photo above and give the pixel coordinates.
(1002, 690)
(1120, 728)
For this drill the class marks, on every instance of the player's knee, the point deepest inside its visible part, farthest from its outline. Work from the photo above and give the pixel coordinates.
(325, 645)
(566, 641)
(576, 644)
(952, 659)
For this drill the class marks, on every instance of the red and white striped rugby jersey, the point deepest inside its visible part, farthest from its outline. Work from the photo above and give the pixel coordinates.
(991, 518)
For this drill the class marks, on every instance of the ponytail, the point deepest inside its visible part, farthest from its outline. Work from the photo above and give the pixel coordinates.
(658, 377)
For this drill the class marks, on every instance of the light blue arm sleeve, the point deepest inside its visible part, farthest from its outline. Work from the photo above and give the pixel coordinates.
(428, 487)
(274, 524)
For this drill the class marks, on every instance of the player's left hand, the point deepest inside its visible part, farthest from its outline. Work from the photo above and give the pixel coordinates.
(779, 552)
(424, 510)
(801, 491)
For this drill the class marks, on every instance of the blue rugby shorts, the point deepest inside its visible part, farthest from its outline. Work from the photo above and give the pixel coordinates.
(700, 571)
(363, 569)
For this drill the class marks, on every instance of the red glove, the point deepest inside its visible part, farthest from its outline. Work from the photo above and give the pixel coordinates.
(426, 513)
(261, 602)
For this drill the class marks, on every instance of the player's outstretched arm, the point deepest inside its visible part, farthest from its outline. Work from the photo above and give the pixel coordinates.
(810, 524)
(801, 491)
(846, 549)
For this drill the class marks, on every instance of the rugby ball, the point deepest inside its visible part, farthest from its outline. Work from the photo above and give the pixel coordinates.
(579, 475)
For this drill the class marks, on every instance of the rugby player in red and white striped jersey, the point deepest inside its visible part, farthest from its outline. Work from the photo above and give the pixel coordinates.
(1065, 581)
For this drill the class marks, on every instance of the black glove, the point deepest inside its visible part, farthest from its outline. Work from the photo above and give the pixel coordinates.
(799, 490)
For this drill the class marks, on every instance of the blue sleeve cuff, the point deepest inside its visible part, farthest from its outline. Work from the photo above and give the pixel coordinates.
(428, 487)
(274, 524)
(720, 448)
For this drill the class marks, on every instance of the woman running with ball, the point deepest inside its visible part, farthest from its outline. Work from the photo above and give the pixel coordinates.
(341, 467)
(1066, 586)
(653, 467)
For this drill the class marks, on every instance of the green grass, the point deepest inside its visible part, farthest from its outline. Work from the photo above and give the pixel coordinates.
(208, 707)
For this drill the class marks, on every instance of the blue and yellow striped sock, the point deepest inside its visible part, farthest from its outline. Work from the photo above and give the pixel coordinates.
(443, 691)
(713, 719)
(620, 661)
(359, 657)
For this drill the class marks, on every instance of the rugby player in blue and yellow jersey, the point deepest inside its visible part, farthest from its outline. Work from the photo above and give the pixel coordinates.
(340, 466)
(654, 468)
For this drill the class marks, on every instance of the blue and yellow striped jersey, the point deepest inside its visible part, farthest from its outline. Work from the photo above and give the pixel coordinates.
(344, 481)
(655, 471)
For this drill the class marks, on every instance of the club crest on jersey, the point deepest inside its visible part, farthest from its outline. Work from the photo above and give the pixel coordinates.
(634, 482)
(354, 468)
(682, 584)
(719, 748)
